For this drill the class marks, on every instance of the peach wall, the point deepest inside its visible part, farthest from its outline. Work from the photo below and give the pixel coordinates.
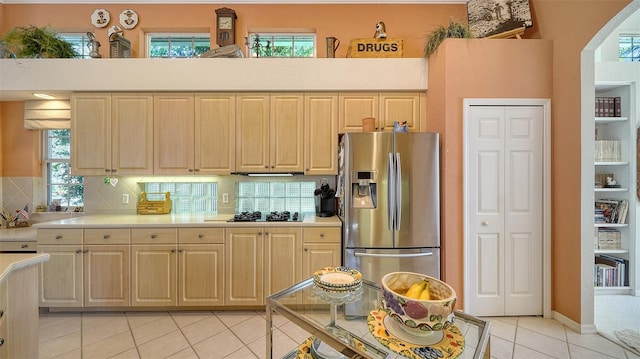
(476, 68)
(20, 147)
(409, 22)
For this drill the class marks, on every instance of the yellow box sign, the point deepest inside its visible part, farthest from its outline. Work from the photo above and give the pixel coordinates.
(375, 48)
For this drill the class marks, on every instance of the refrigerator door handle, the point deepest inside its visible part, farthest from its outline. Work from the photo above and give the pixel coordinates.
(382, 255)
(391, 194)
(398, 189)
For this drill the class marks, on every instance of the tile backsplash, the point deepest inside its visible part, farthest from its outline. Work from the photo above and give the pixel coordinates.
(100, 198)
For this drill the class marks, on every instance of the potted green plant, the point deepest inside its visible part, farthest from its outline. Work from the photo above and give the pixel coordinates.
(33, 41)
(437, 36)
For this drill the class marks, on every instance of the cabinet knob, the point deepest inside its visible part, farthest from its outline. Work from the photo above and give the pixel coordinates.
(1, 341)
(266, 233)
(266, 166)
(78, 250)
(197, 170)
(113, 170)
(190, 169)
(85, 251)
(485, 223)
(306, 249)
(22, 246)
(106, 170)
(58, 237)
(321, 235)
(201, 236)
(1, 313)
(259, 233)
(173, 251)
(273, 166)
(180, 250)
(154, 236)
(106, 236)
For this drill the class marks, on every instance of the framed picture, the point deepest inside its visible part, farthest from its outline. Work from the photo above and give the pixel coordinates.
(488, 18)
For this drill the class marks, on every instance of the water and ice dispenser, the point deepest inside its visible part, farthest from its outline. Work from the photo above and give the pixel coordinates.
(364, 189)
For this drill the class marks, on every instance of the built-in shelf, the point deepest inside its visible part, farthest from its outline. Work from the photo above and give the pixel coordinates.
(611, 163)
(616, 189)
(611, 225)
(605, 120)
(611, 251)
(612, 290)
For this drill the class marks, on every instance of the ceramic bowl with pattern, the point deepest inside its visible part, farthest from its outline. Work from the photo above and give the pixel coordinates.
(418, 316)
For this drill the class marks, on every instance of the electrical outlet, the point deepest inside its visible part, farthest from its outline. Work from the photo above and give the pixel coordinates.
(225, 198)
(125, 198)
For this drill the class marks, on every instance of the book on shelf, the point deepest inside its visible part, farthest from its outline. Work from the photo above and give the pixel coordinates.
(608, 238)
(610, 271)
(608, 107)
(607, 150)
(611, 211)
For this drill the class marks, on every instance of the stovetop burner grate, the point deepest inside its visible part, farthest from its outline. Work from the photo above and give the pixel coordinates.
(275, 216)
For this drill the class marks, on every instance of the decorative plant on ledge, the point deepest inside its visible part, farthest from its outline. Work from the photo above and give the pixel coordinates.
(32, 41)
(437, 36)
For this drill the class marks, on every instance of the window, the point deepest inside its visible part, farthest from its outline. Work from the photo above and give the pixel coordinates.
(177, 45)
(80, 43)
(281, 45)
(61, 187)
(629, 48)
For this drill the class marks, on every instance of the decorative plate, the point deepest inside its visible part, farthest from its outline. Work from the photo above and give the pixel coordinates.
(448, 343)
(338, 297)
(304, 350)
(128, 19)
(100, 18)
(337, 278)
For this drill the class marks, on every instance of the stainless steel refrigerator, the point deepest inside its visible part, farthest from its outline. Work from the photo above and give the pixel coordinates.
(390, 202)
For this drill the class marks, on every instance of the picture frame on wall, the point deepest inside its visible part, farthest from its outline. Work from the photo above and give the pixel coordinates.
(490, 18)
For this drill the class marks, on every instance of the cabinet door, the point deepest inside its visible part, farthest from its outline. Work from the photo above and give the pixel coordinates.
(106, 275)
(200, 274)
(61, 276)
(132, 133)
(282, 260)
(153, 277)
(243, 273)
(90, 134)
(321, 133)
(215, 121)
(252, 133)
(286, 141)
(400, 107)
(319, 255)
(173, 128)
(354, 106)
(22, 316)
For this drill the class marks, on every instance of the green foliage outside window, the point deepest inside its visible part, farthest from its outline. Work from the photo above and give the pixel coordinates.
(62, 187)
(629, 47)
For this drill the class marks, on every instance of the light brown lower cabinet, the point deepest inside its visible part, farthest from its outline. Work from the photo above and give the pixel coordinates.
(153, 275)
(106, 275)
(282, 260)
(19, 314)
(61, 277)
(200, 274)
(243, 272)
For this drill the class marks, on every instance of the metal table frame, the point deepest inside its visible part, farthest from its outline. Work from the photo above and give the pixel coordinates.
(275, 303)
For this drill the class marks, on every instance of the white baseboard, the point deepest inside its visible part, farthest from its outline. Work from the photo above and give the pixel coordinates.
(576, 327)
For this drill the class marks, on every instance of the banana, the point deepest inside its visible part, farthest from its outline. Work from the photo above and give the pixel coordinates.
(416, 289)
(426, 293)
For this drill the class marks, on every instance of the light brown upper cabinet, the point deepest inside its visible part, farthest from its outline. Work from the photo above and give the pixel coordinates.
(269, 135)
(321, 133)
(112, 134)
(194, 133)
(385, 107)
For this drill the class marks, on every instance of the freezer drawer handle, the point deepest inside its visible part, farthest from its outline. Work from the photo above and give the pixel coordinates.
(380, 255)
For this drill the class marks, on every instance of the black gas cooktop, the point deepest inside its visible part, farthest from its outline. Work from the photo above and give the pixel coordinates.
(257, 216)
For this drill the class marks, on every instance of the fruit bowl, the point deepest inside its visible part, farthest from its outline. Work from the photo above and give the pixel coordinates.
(420, 317)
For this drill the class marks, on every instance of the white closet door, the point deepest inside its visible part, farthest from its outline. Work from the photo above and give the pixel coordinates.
(505, 201)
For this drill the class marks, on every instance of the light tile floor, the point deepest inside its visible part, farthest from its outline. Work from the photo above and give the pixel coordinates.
(233, 334)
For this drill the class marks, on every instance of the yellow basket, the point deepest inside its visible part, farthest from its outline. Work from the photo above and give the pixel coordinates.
(154, 207)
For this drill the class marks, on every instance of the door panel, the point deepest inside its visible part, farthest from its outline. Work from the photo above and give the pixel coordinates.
(505, 191)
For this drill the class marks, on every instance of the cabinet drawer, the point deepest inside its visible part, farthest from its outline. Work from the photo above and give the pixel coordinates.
(59, 236)
(321, 234)
(154, 235)
(201, 235)
(106, 236)
(18, 246)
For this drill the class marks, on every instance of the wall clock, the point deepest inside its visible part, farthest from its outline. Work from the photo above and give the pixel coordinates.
(225, 26)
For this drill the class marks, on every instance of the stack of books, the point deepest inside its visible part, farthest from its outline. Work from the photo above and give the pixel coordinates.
(608, 238)
(611, 271)
(608, 107)
(611, 211)
(608, 151)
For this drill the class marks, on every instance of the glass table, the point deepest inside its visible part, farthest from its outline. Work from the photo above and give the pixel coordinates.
(341, 323)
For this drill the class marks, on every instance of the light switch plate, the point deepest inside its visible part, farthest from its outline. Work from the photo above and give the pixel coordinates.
(225, 198)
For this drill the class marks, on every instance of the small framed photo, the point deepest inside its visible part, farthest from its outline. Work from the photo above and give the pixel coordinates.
(490, 18)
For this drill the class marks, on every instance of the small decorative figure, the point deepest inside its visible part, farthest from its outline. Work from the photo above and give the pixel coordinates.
(381, 31)
(611, 181)
(400, 126)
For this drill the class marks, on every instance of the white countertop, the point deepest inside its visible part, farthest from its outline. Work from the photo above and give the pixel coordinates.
(12, 262)
(22, 234)
(167, 220)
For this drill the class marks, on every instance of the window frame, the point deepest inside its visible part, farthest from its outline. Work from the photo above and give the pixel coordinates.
(271, 35)
(194, 35)
(635, 43)
(71, 37)
(48, 160)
